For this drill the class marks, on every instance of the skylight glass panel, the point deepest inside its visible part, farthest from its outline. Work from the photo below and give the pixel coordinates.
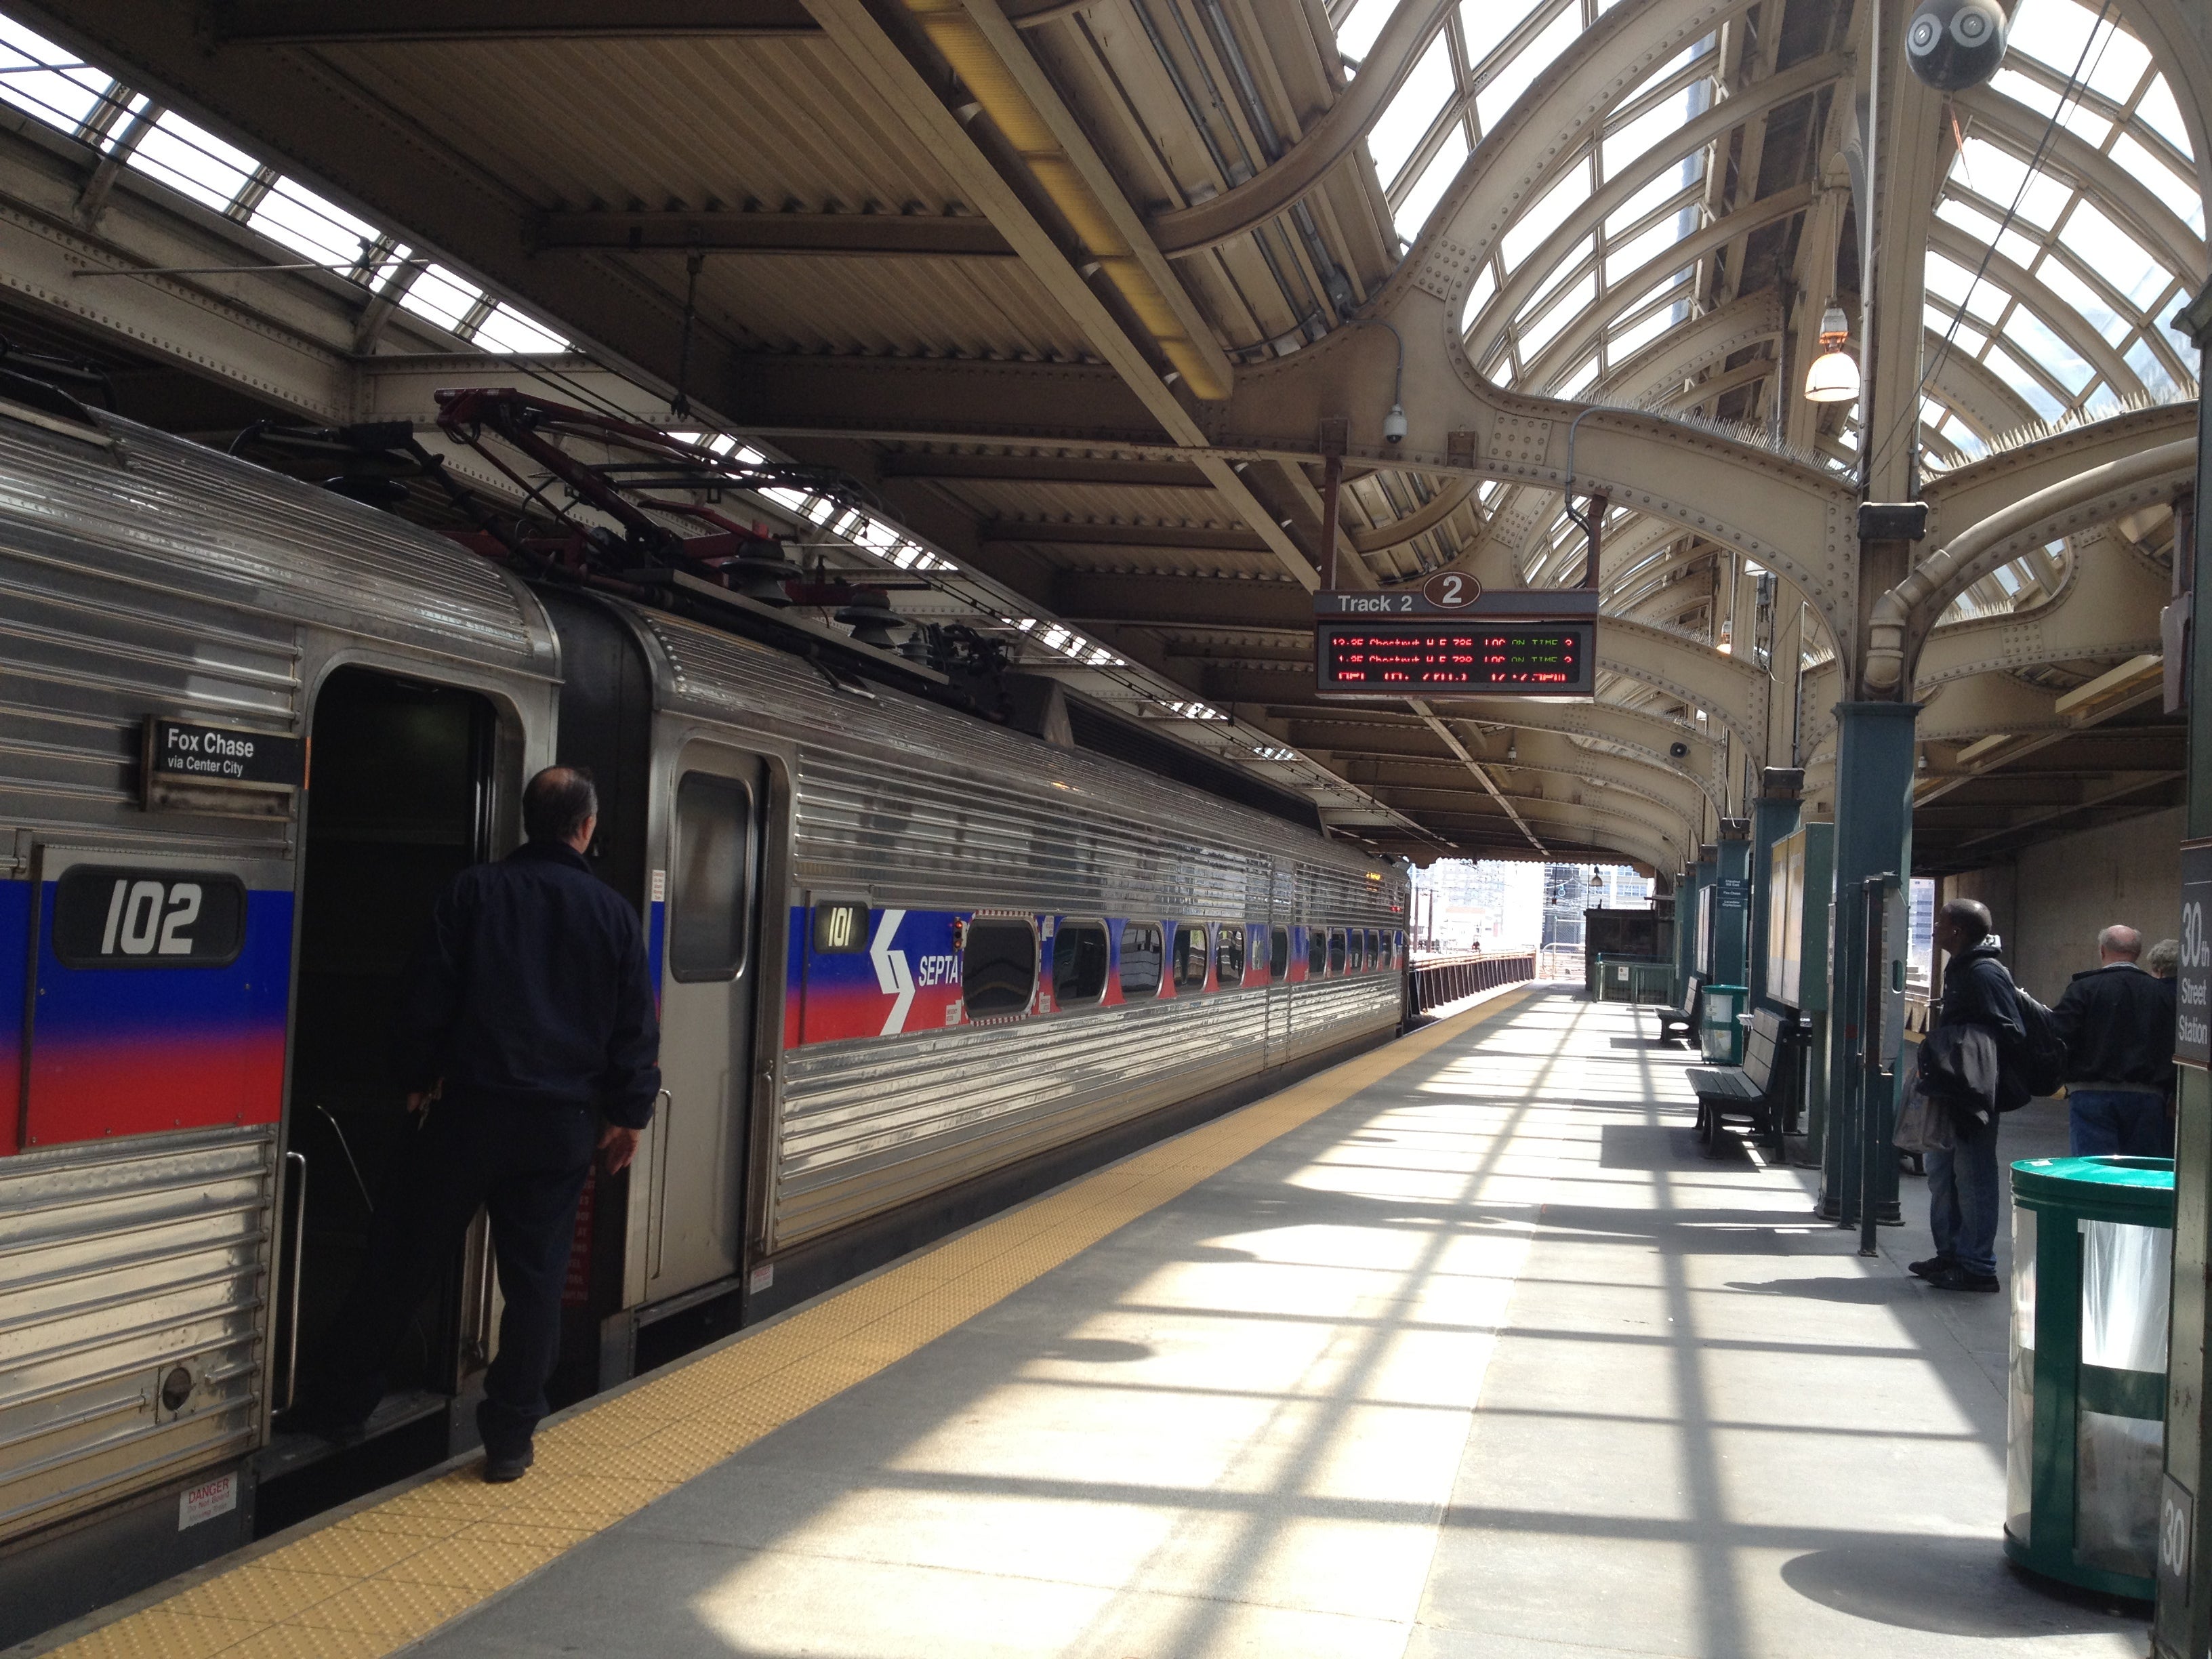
(2152, 169)
(1624, 259)
(506, 329)
(2162, 115)
(2055, 33)
(2023, 384)
(439, 295)
(1949, 280)
(193, 161)
(1357, 38)
(2113, 254)
(2056, 275)
(52, 84)
(1486, 24)
(303, 221)
(1624, 144)
(2025, 90)
(2150, 369)
(1999, 176)
(1627, 342)
(1581, 380)
(1969, 218)
(1413, 212)
(1546, 328)
(1412, 112)
(1547, 214)
(1492, 103)
(2041, 345)
(1485, 284)
(2085, 124)
(1646, 200)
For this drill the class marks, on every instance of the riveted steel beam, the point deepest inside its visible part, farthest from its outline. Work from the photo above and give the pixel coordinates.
(932, 235)
(388, 22)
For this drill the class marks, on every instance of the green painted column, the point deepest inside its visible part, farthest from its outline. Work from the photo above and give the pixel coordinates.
(1874, 837)
(1773, 815)
(2183, 1623)
(1732, 905)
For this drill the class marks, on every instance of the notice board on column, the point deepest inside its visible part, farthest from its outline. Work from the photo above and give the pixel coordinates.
(2192, 1015)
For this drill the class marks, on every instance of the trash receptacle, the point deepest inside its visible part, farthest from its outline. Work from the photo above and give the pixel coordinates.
(1719, 1034)
(2092, 1267)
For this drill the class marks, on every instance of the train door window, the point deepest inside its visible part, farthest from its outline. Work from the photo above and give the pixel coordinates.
(1190, 956)
(1317, 952)
(1398, 949)
(1336, 958)
(1229, 954)
(1140, 960)
(1078, 963)
(710, 895)
(1278, 953)
(998, 966)
(1374, 949)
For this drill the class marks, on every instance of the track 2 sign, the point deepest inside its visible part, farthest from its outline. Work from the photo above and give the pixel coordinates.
(1451, 590)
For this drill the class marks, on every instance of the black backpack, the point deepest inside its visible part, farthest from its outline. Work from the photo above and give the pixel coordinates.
(2037, 1058)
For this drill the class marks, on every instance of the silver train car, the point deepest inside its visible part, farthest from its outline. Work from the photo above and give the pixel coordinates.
(912, 966)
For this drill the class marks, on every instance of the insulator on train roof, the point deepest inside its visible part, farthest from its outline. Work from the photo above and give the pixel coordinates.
(760, 571)
(871, 618)
(1952, 44)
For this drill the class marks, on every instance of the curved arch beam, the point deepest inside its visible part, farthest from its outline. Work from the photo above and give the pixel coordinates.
(1980, 705)
(1580, 337)
(2053, 312)
(1975, 394)
(1982, 489)
(1694, 345)
(1731, 692)
(1759, 99)
(2180, 44)
(2109, 609)
(1793, 517)
(1329, 140)
(1552, 754)
(1448, 500)
(1648, 737)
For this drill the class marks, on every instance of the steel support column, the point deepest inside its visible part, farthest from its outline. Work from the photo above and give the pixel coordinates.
(2182, 1624)
(1732, 906)
(1874, 837)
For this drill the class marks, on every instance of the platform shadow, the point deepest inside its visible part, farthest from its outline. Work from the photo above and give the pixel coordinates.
(1848, 1289)
(1946, 1586)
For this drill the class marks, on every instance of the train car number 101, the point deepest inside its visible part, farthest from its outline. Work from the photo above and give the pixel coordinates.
(110, 917)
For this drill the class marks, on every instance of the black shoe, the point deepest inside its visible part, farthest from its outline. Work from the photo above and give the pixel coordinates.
(1955, 1278)
(499, 1467)
(1930, 1268)
(309, 1417)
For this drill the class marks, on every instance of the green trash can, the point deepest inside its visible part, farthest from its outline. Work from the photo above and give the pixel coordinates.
(1720, 1035)
(2092, 1268)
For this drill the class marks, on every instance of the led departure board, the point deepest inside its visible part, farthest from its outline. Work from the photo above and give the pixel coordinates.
(1433, 659)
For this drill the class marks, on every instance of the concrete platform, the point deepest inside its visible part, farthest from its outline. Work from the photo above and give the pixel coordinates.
(1463, 1349)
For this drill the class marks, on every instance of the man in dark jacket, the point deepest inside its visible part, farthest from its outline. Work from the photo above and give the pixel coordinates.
(2117, 1022)
(1964, 1195)
(527, 1035)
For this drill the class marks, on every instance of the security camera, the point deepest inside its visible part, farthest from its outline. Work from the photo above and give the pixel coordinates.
(1393, 425)
(1679, 750)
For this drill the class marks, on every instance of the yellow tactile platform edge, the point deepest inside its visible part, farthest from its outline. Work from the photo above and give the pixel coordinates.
(387, 1576)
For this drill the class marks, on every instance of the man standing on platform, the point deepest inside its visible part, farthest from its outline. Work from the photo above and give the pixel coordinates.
(1963, 1069)
(2117, 1022)
(526, 1037)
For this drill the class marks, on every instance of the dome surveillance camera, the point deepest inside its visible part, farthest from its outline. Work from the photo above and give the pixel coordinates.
(1679, 750)
(1393, 425)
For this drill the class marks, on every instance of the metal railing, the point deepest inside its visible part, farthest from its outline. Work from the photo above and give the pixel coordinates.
(1440, 979)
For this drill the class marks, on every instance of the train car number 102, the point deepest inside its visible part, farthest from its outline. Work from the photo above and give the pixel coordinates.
(110, 917)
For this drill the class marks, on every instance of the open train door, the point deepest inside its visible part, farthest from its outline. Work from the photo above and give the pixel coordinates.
(697, 1151)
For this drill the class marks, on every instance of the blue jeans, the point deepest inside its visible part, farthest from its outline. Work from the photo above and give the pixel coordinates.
(2105, 1121)
(1963, 1202)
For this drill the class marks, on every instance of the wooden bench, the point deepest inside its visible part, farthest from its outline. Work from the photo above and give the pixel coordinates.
(1682, 1022)
(1748, 1091)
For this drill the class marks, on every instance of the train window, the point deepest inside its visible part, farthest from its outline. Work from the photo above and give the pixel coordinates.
(1278, 953)
(840, 927)
(1190, 956)
(998, 966)
(110, 917)
(713, 868)
(1317, 952)
(1140, 960)
(1229, 954)
(1374, 949)
(1336, 949)
(1398, 949)
(1078, 963)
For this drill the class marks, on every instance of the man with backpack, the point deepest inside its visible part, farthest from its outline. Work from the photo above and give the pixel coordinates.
(1971, 1067)
(2117, 1022)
